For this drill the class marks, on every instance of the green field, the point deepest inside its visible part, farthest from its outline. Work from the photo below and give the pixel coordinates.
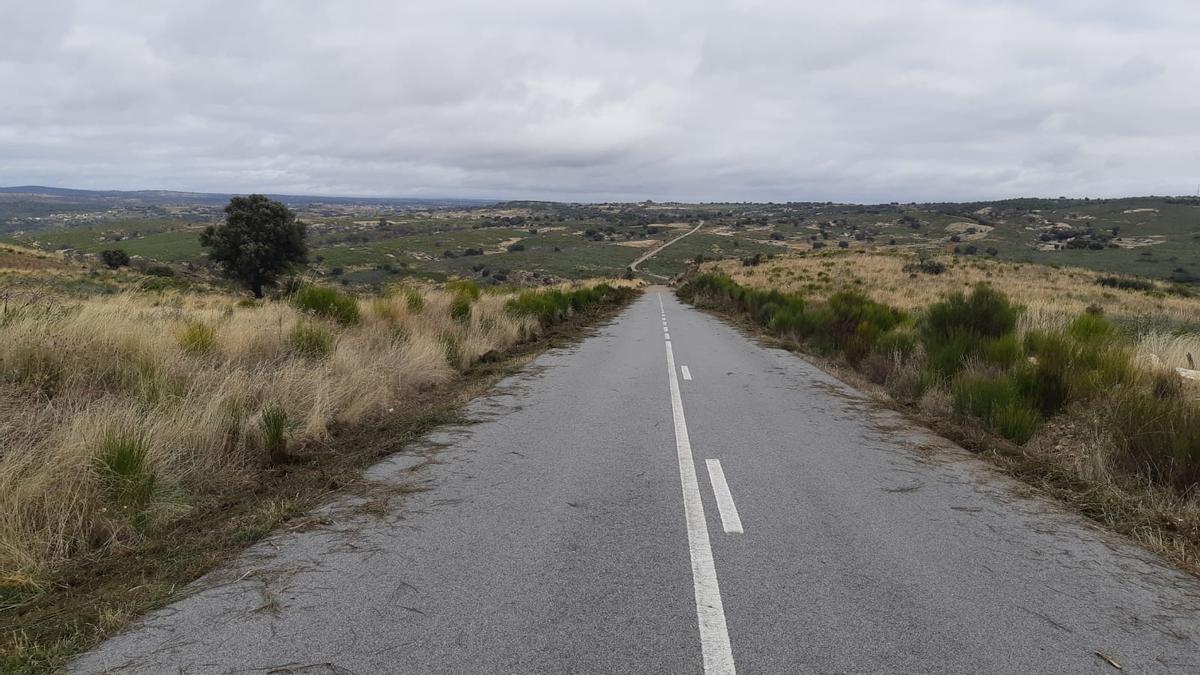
(1149, 236)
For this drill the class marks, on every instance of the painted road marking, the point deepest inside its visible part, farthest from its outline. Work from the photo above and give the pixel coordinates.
(664, 329)
(687, 374)
(710, 612)
(660, 305)
(729, 515)
(667, 337)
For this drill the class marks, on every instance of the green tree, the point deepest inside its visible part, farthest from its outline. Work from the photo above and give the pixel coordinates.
(259, 240)
(115, 258)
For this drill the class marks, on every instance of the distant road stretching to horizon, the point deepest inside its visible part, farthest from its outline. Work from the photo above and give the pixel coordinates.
(668, 496)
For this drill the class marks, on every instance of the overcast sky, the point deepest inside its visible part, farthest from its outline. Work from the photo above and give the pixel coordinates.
(872, 100)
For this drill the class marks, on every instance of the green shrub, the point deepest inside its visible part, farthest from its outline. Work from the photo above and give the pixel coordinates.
(460, 308)
(986, 313)
(552, 306)
(328, 303)
(1015, 421)
(463, 288)
(1004, 351)
(310, 341)
(959, 326)
(197, 337)
(121, 460)
(858, 322)
(1092, 327)
(898, 343)
(996, 401)
(947, 355)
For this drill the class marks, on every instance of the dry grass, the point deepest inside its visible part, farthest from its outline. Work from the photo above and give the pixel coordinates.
(215, 388)
(1052, 296)
(1063, 290)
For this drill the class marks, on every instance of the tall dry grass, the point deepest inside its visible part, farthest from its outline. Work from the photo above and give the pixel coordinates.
(1163, 325)
(207, 388)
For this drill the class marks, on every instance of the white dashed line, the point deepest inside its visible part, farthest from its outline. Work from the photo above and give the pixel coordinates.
(729, 513)
(687, 374)
(710, 612)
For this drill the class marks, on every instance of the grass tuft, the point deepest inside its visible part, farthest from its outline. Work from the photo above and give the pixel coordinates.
(328, 303)
(198, 338)
(310, 341)
(122, 460)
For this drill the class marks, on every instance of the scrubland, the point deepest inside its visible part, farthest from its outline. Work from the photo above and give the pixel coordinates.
(1068, 378)
(122, 415)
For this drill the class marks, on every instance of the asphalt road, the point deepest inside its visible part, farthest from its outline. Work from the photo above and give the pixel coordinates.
(580, 526)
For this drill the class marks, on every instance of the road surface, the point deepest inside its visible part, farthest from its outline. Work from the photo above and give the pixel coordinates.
(668, 496)
(634, 265)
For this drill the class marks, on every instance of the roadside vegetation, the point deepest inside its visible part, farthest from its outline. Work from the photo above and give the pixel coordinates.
(1091, 402)
(146, 435)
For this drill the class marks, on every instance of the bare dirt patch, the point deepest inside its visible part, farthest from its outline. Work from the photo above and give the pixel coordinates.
(640, 243)
(502, 247)
(969, 231)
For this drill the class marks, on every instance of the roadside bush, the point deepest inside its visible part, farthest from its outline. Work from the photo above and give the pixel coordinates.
(328, 303)
(998, 403)
(310, 341)
(898, 343)
(985, 313)
(960, 326)
(1004, 351)
(859, 321)
(552, 306)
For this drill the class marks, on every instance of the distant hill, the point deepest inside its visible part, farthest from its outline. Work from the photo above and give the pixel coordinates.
(33, 201)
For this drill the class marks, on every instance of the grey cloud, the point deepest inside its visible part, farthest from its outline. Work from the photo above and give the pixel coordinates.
(866, 100)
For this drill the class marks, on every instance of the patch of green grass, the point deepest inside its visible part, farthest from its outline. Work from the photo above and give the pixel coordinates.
(276, 427)
(463, 288)
(197, 337)
(122, 460)
(460, 309)
(310, 341)
(997, 401)
(328, 303)
(414, 300)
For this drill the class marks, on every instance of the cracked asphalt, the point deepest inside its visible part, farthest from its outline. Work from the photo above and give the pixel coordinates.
(551, 537)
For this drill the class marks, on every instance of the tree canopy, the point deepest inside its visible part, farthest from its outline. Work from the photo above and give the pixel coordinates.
(259, 240)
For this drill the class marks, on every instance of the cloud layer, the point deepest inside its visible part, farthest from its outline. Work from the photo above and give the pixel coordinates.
(788, 100)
